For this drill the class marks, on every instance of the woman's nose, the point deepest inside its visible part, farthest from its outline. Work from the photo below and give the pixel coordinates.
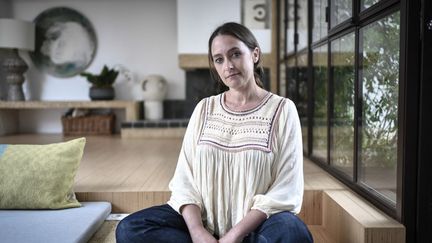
(228, 65)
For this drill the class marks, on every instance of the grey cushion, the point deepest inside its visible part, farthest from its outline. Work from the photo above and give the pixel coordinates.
(64, 225)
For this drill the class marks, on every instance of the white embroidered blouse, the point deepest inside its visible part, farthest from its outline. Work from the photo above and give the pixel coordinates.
(232, 162)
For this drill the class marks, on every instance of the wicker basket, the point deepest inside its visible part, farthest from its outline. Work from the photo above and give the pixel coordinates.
(89, 125)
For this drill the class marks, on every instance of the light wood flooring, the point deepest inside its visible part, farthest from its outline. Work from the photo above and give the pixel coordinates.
(133, 173)
(115, 164)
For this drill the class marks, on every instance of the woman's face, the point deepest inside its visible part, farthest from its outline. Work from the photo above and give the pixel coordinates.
(234, 61)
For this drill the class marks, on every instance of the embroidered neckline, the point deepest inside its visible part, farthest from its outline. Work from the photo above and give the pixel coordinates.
(240, 131)
(244, 112)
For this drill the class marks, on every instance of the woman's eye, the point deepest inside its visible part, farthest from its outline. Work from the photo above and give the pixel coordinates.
(236, 54)
(218, 60)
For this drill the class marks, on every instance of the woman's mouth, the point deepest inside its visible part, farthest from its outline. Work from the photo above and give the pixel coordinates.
(231, 75)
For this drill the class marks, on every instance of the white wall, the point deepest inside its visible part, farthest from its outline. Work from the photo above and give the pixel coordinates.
(141, 35)
(146, 36)
(198, 18)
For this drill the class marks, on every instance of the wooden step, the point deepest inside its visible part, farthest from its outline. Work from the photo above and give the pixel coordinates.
(127, 202)
(320, 234)
(349, 218)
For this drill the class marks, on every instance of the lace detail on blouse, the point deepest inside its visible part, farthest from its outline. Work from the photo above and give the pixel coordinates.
(234, 131)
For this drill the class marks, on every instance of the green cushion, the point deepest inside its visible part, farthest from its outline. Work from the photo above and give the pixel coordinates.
(39, 176)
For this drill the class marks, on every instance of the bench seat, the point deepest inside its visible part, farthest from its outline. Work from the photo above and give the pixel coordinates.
(74, 225)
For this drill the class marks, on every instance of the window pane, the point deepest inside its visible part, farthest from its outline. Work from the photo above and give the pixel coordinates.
(282, 65)
(282, 79)
(291, 79)
(290, 27)
(342, 124)
(302, 23)
(340, 10)
(379, 74)
(319, 130)
(302, 62)
(319, 29)
(367, 3)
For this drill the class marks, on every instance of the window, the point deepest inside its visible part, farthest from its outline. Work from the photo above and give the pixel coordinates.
(290, 44)
(347, 95)
(379, 75)
(302, 24)
(340, 10)
(302, 98)
(319, 127)
(342, 117)
(319, 29)
(282, 79)
(364, 4)
(291, 79)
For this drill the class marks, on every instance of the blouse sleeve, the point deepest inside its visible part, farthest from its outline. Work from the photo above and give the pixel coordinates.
(286, 191)
(182, 185)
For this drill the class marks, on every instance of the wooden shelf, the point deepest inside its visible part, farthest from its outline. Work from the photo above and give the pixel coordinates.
(131, 107)
(9, 110)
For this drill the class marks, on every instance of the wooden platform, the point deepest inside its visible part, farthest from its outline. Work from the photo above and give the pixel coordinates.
(133, 173)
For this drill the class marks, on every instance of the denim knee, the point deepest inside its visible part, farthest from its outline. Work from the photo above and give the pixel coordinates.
(156, 224)
(283, 227)
(122, 232)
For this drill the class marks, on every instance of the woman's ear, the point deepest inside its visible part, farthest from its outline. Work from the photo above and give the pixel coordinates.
(256, 54)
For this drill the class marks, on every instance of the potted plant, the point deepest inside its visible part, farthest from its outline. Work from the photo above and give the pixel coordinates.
(102, 88)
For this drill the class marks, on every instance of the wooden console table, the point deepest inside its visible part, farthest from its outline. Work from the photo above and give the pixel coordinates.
(9, 117)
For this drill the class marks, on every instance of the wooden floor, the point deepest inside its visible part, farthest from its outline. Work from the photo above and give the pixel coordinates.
(115, 164)
(133, 173)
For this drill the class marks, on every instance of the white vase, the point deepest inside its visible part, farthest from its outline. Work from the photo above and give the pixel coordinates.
(153, 110)
(154, 89)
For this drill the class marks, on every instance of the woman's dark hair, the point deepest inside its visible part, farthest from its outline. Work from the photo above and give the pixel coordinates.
(244, 35)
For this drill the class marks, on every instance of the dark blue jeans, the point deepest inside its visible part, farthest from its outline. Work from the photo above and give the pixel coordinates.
(162, 224)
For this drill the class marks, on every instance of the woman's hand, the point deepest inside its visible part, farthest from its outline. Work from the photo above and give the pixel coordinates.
(231, 237)
(201, 235)
(248, 224)
(192, 216)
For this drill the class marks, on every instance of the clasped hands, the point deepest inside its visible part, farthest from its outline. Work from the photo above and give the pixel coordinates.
(201, 235)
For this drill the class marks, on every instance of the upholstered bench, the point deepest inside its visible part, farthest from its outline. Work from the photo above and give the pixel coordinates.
(37, 201)
(62, 225)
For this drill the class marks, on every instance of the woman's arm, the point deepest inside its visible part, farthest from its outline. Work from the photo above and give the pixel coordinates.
(192, 216)
(248, 224)
(182, 186)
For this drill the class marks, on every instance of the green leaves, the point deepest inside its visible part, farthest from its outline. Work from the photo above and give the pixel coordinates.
(105, 79)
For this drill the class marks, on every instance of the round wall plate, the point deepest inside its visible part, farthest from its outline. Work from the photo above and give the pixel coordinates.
(65, 42)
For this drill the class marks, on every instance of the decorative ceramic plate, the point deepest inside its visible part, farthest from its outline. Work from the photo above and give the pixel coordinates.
(65, 42)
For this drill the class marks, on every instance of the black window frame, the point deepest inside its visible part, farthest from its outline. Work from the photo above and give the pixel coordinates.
(354, 24)
(414, 194)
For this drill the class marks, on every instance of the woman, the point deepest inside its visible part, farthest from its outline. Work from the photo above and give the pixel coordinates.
(239, 177)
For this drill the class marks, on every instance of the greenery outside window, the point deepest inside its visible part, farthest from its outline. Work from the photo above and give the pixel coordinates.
(291, 85)
(302, 24)
(290, 44)
(302, 99)
(345, 83)
(342, 122)
(379, 76)
(340, 10)
(319, 29)
(368, 3)
(320, 116)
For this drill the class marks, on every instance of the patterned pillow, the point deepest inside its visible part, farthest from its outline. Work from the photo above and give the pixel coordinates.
(39, 176)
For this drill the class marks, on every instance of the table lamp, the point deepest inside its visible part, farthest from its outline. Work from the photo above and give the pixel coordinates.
(15, 35)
